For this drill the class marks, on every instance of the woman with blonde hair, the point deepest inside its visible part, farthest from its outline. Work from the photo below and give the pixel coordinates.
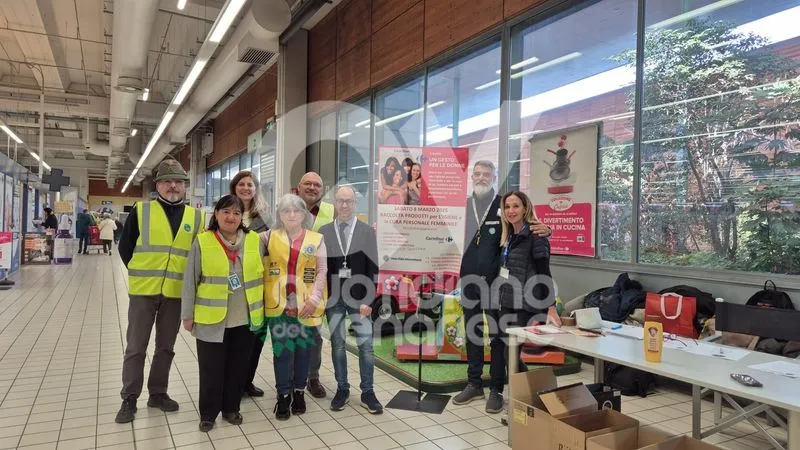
(255, 216)
(295, 292)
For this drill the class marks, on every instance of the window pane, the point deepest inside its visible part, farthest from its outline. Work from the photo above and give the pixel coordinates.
(353, 153)
(244, 161)
(233, 168)
(215, 185)
(463, 104)
(720, 176)
(568, 74)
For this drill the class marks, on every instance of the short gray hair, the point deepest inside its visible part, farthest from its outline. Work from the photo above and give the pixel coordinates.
(487, 164)
(293, 201)
(345, 186)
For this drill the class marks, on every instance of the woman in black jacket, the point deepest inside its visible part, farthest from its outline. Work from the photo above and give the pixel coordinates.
(526, 290)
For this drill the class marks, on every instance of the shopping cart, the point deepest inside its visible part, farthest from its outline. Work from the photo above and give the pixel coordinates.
(94, 239)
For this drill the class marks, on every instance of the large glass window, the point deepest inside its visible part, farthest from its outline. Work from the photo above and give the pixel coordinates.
(568, 75)
(353, 165)
(463, 101)
(720, 174)
(215, 185)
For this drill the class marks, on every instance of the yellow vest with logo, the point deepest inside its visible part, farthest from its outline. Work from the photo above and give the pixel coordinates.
(276, 265)
(324, 216)
(159, 260)
(211, 301)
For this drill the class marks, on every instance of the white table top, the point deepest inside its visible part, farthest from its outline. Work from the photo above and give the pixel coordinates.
(707, 372)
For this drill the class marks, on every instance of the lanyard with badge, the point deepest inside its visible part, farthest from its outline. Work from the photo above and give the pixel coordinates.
(479, 221)
(504, 268)
(344, 271)
(233, 279)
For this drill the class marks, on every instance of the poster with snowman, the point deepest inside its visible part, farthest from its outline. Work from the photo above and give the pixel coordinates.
(563, 187)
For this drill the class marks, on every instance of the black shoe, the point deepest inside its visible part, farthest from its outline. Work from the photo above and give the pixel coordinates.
(298, 403)
(127, 411)
(6, 282)
(282, 408)
(371, 403)
(206, 425)
(162, 401)
(316, 389)
(340, 400)
(233, 418)
(253, 391)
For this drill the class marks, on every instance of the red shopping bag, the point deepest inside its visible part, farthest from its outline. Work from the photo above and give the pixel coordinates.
(675, 312)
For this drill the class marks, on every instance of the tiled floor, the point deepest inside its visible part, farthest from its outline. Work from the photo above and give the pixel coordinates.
(61, 340)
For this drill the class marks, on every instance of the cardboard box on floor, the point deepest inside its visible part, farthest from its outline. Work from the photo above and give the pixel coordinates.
(537, 408)
(682, 443)
(627, 439)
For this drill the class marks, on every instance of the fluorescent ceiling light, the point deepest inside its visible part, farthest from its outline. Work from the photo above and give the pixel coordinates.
(145, 94)
(134, 131)
(35, 156)
(693, 13)
(197, 69)
(363, 123)
(521, 64)
(46, 166)
(407, 114)
(344, 135)
(226, 19)
(11, 134)
(544, 65)
(181, 4)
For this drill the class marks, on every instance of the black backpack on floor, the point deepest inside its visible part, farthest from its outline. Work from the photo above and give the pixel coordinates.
(771, 297)
(629, 381)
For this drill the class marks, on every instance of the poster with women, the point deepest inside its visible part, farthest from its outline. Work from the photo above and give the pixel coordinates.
(563, 187)
(421, 215)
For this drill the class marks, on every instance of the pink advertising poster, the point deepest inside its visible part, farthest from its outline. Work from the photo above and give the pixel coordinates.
(421, 218)
(563, 187)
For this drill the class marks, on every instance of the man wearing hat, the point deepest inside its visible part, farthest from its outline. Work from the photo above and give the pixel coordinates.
(154, 245)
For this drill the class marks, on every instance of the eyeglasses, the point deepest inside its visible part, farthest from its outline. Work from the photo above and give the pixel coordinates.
(346, 202)
(312, 184)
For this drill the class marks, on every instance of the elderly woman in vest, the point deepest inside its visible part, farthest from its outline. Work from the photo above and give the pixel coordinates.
(222, 300)
(295, 268)
(526, 290)
(244, 186)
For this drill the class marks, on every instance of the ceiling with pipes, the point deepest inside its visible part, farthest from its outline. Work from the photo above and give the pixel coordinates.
(108, 70)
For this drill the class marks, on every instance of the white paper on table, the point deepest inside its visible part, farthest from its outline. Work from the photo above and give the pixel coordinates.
(627, 331)
(782, 368)
(714, 351)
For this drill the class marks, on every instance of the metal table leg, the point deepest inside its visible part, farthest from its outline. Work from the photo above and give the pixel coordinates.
(599, 371)
(696, 411)
(513, 366)
(794, 430)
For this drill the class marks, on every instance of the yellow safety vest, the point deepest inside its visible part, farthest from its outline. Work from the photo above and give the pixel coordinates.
(324, 216)
(159, 260)
(211, 301)
(276, 265)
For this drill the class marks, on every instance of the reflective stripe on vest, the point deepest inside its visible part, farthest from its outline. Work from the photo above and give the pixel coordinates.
(159, 260)
(211, 301)
(324, 216)
(275, 275)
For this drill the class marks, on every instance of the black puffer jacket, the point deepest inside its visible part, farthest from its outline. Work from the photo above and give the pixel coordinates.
(528, 256)
(617, 302)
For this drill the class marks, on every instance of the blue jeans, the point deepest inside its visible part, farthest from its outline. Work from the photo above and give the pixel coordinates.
(292, 343)
(336, 314)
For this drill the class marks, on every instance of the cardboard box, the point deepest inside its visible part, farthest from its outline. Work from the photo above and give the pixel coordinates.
(682, 443)
(572, 432)
(607, 397)
(627, 439)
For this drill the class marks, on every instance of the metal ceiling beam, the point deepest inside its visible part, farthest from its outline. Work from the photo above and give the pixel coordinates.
(61, 163)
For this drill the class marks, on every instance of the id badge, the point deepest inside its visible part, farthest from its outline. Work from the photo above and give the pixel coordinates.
(233, 282)
(345, 273)
(504, 272)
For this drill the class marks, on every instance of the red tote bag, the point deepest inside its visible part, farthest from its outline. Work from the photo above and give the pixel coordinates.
(675, 312)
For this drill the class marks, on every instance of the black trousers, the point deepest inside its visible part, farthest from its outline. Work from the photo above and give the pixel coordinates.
(223, 371)
(474, 327)
(255, 355)
(106, 245)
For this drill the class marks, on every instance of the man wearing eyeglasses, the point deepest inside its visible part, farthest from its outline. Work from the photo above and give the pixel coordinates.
(352, 272)
(311, 190)
(154, 246)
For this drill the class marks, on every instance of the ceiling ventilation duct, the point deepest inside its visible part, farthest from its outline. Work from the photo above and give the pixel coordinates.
(135, 148)
(91, 143)
(256, 56)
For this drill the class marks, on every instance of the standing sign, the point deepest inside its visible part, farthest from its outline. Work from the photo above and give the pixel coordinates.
(6, 249)
(420, 222)
(563, 187)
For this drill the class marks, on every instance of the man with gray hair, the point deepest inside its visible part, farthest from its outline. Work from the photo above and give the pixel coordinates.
(352, 272)
(479, 268)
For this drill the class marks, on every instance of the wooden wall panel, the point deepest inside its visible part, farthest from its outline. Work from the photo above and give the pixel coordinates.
(449, 23)
(353, 24)
(384, 11)
(321, 87)
(352, 72)
(513, 7)
(398, 46)
(322, 44)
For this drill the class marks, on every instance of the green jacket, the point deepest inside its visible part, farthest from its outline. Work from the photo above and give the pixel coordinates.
(83, 222)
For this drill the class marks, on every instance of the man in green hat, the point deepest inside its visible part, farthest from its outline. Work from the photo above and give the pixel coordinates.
(154, 245)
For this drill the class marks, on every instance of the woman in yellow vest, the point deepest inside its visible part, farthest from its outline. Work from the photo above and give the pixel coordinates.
(295, 269)
(222, 300)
